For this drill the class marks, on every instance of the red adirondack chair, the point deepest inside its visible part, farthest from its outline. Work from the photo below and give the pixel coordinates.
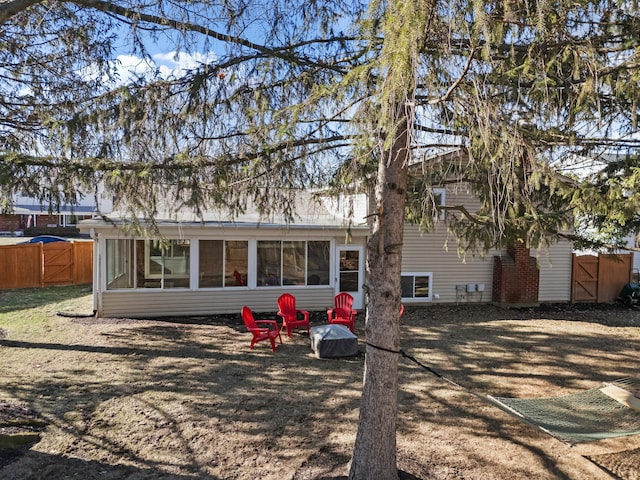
(291, 317)
(267, 332)
(342, 312)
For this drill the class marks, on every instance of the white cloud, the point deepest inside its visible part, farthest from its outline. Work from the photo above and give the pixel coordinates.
(130, 67)
(180, 61)
(162, 65)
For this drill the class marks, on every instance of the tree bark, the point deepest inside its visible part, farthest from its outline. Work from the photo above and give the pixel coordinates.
(375, 447)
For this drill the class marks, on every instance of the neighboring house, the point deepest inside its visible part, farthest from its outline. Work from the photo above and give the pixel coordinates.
(28, 214)
(216, 265)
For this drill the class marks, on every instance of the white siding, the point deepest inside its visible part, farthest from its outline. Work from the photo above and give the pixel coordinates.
(555, 265)
(149, 303)
(436, 252)
(431, 253)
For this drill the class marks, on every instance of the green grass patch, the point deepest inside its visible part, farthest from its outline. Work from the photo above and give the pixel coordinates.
(26, 308)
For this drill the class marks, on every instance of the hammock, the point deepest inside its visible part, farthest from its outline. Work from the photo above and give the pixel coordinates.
(608, 411)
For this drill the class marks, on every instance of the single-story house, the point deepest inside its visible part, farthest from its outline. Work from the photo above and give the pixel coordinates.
(216, 265)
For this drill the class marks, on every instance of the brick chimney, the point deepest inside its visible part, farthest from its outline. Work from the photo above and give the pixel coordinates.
(516, 278)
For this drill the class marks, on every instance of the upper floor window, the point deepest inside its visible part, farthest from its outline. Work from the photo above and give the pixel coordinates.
(439, 195)
(70, 220)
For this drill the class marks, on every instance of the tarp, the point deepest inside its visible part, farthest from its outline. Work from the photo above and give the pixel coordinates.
(331, 341)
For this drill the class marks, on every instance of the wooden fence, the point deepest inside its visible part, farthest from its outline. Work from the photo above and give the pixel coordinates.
(39, 265)
(599, 279)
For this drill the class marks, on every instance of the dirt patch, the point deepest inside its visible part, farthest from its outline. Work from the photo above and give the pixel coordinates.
(20, 428)
(185, 398)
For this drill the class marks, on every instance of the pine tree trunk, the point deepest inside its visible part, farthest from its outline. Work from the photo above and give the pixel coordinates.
(375, 448)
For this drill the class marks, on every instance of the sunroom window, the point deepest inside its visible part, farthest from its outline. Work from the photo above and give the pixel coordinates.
(223, 263)
(147, 264)
(220, 264)
(166, 263)
(300, 262)
(120, 264)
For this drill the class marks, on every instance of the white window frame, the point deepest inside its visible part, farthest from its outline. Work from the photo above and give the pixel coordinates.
(163, 259)
(193, 264)
(254, 266)
(415, 299)
(195, 280)
(443, 197)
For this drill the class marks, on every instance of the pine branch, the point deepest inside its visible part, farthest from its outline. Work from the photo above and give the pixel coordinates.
(596, 244)
(10, 8)
(166, 164)
(285, 53)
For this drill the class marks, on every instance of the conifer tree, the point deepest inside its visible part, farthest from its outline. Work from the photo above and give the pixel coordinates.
(305, 93)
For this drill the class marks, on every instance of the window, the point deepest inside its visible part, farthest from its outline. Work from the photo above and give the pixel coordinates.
(269, 263)
(416, 286)
(318, 261)
(236, 259)
(220, 264)
(439, 195)
(293, 262)
(349, 274)
(120, 272)
(211, 261)
(223, 263)
(69, 220)
(166, 263)
(147, 264)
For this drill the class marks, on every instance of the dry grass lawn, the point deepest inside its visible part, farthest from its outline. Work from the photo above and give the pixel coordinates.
(186, 398)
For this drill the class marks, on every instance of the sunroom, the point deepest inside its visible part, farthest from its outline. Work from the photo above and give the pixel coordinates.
(211, 266)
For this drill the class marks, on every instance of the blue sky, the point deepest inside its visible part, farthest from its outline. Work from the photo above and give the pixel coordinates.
(165, 60)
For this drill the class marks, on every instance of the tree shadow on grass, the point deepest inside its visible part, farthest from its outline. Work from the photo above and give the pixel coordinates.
(177, 397)
(191, 398)
(512, 354)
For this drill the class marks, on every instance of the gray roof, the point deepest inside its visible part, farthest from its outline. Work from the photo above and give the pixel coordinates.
(310, 212)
